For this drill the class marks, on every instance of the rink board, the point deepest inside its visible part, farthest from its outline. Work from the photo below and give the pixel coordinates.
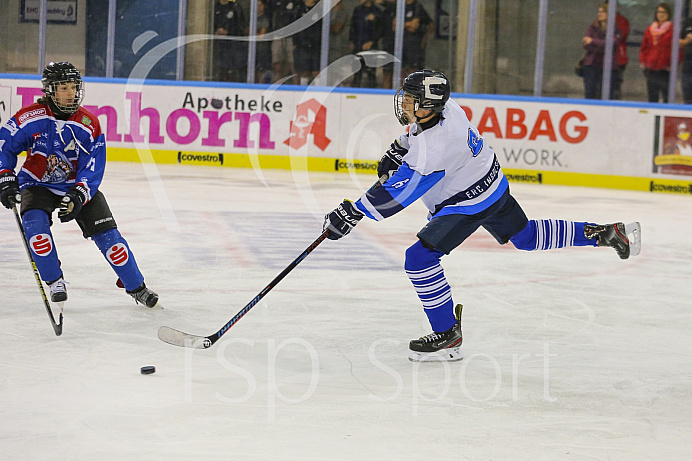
(634, 146)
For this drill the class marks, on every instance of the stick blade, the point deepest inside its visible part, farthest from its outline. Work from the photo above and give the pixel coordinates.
(57, 326)
(178, 338)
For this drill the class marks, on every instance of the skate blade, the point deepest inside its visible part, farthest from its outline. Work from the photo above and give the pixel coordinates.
(445, 355)
(156, 306)
(633, 231)
(61, 307)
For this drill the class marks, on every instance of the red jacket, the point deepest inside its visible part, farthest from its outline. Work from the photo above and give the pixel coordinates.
(624, 26)
(657, 46)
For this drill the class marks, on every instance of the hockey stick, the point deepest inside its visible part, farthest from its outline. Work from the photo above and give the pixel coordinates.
(178, 338)
(57, 327)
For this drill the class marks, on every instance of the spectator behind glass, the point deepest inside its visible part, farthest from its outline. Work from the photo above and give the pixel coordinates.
(282, 48)
(417, 28)
(624, 25)
(306, 45)
(364, 33)
(388, 8)
(686, 46)
(230, 56)
(338, 45)
(655, 52)
(594, 43)
(263, 60)
(338, 39)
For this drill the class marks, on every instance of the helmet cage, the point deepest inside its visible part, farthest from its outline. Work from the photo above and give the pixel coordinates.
(70, 108)
(57, 74)
(429, 89)
(399, 106)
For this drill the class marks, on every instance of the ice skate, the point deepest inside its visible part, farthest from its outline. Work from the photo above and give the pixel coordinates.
(626, 239)
(143, 295)
(435, 347)
(58, 290)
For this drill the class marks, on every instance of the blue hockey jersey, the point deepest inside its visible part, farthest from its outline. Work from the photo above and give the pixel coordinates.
(60, 153)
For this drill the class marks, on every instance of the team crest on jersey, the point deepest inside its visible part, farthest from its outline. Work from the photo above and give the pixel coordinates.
(118, 254)
(41, 244)
(57, 170)
(86, 121)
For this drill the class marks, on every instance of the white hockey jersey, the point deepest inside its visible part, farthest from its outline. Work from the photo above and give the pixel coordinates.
(448, 166)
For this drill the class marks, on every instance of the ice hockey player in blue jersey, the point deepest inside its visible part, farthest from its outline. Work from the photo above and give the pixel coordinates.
(443, 161)
(66, 157)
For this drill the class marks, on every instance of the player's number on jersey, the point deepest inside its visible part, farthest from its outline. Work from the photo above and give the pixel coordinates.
(92, 164)
(475, 142)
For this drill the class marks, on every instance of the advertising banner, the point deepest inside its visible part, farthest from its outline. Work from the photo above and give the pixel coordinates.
(645, 147)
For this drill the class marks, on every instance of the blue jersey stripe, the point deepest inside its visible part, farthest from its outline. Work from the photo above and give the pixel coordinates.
(478, 207)
(402, 189)
(475, 190)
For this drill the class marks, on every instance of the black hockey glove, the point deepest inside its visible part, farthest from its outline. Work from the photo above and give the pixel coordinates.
(9, 189)
(72, 202)
(340, 221)
(393, 158)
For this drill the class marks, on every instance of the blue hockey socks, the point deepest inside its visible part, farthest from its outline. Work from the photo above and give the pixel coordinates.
(425, 272)
(36, 226)
(546, 234)
(118, 254)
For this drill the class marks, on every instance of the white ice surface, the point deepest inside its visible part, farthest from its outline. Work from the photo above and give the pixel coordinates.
(569, 354)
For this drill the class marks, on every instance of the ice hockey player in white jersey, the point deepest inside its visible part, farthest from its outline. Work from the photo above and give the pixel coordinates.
(443, 161)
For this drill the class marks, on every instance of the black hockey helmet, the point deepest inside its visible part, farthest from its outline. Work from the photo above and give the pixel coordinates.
(429, 88)
(56, 73)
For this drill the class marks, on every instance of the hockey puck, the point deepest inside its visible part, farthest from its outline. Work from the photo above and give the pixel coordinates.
(148, 370)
